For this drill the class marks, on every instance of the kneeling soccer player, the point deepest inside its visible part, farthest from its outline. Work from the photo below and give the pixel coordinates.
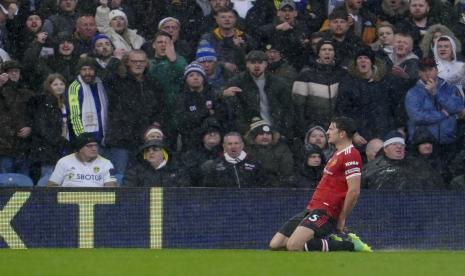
(332, 202)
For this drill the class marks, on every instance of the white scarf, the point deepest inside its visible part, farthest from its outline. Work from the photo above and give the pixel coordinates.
(89, 111)
(236, 160)
(162, 164)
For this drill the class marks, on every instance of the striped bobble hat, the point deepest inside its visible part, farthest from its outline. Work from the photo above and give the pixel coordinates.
(205, 52)
(194, 67)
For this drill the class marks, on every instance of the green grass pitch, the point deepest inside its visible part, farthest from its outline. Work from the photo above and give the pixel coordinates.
(132, 262)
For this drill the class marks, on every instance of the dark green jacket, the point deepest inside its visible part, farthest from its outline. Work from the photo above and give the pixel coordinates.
(246, 104)
(277, 163)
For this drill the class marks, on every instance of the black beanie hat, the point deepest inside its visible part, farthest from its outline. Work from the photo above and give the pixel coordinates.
(323, 42)
(82, 140)
(365, 51)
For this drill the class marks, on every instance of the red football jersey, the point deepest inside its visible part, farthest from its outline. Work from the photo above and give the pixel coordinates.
(332, 189)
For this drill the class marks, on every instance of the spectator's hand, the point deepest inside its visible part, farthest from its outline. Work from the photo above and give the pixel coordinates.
(399, 72)
(445, 112)
(104, 3)
(359, 140)
(284, 26)
(430, 86)
(350, 20)
(119, 53)
(12, 10)
(41, 37)
(238, 41)
(4, 78)
(170, 51)
(24, 132)
(231, 67)
(231, 91)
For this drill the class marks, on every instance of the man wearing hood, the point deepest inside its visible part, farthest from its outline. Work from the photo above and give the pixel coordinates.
(369, 95)
(63, 59)
(207, 149)
(449, 68)
(154, 168)
(311, 168)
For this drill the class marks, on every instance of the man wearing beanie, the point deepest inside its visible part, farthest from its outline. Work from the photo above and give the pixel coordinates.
(216, 73)
(278, 64)
(275, 156)
(288, 31)
(346, 43)
(167, 67)
(195, 104)
(315, 90)
(396, 170)
(257, 93)
(107, 59)
(172, 26)
(87, 102)
(370, 96)
(84, 168)
(361, 20)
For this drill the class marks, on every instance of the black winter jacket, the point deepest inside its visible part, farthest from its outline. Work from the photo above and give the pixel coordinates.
(48, 144)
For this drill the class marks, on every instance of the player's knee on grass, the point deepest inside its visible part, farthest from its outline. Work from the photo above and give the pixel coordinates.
(278, 242)
(295, 244)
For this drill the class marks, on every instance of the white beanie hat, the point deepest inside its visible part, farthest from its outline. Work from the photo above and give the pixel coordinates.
(115, 13)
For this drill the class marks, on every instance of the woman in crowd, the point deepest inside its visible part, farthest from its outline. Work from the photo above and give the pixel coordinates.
(114, 24)
(49, 126)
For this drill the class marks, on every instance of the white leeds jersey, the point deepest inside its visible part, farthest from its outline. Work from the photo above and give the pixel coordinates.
(70, 172)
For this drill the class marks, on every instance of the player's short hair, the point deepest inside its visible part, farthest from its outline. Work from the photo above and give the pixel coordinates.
(345, 124)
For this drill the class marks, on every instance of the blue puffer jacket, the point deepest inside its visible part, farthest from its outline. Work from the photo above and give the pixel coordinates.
(424, 109)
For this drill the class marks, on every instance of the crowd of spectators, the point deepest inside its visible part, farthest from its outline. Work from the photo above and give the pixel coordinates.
(188, 93)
